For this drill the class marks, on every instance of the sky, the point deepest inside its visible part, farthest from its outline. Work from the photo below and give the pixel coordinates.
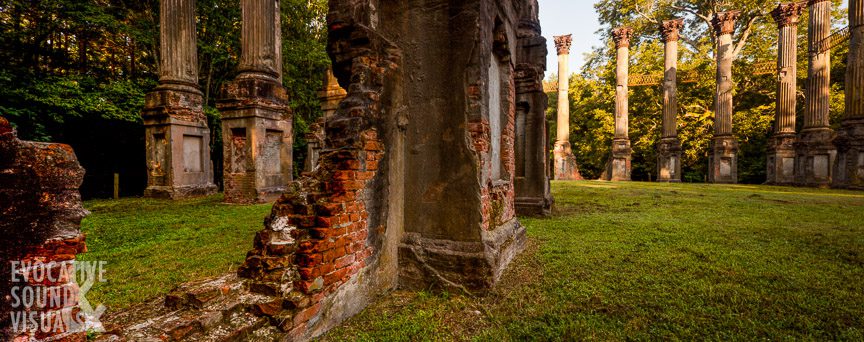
(559, 17)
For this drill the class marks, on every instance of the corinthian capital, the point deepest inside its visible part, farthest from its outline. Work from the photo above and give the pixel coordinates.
(670, 29)
(787, 14)
(562, 43)
(724, 22)
(622, 36)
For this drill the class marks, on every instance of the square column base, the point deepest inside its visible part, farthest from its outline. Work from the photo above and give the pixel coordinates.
(566, 167)
(669, 160)
(257, 138)
(815, 157)
(178, 145)
(723, 164)
(849, 167)
(781, 159)
(620, 166)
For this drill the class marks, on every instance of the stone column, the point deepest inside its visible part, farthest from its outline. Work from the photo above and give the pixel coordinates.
(849, 170)
(256, 120)
(330, 96)
(781, 148)
(669, 149)
(176, 132)
(815, 152)
(565, 165)
(723, 163)
(621, 152)
(533, 195)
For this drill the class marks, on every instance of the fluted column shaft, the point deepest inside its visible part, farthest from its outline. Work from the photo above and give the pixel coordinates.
(855, 64)
(622, 77)
(562, 43)
(261, 39)
(563, 133)
(670, 31)
(786, 16)
(724, 25)
(819, 72)
(178, 61)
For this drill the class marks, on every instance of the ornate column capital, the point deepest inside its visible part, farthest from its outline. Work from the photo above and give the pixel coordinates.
(787, 14)
(622, 36)
(724, 22)
(670, 29)
(562, 43)
(813, 2)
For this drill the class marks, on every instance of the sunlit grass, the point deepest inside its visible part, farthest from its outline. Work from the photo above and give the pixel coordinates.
(152, 246)
(660, 261)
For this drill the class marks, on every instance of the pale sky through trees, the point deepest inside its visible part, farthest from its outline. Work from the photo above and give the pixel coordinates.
(579, 18)
(569, 16)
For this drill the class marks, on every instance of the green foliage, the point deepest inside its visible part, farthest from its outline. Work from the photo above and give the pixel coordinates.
(650, 262)
(592, 90)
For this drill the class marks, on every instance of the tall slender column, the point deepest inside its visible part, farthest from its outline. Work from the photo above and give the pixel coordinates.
(621, 152)
(565, 164)
(256, 120)
(723, 165)
(176, 134)
(815, 152)
(781, 148)
(669, 149)
(849, 170)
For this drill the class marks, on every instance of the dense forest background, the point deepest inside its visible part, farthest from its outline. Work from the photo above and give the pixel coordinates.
(76, 72)
(592, 93)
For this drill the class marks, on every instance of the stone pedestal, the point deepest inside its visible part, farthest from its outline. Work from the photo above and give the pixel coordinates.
(178, 145)
(176, 133)
(781, 159)
(566, 167)
(849, 168)
(723, 165)
(620, 165)
(815, 157)
(257, 131)
(257, 140)
(669, 160)
(814, 149)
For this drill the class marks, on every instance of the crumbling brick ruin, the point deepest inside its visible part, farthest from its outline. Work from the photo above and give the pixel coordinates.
(413, 188)
(41, 215)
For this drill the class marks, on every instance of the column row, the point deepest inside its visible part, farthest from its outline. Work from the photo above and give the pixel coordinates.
(256, 119)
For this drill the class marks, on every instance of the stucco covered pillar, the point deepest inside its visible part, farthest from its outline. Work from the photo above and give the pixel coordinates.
(849, 170)
(781, 148)
(814, 149)
(723, 163)
(533, 194)
(330, 96)
(669, 149)
(256, 120)
(621, 151)
(176, 133)
(565, 165)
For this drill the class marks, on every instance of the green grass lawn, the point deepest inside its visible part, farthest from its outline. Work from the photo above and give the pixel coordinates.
(617, 261)
(151, 246)
(657, 261)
